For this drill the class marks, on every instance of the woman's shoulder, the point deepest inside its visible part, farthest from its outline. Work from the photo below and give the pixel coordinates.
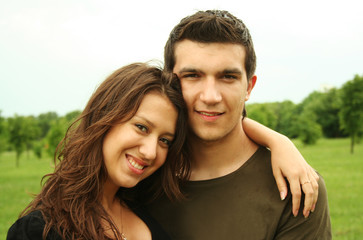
(28, 227)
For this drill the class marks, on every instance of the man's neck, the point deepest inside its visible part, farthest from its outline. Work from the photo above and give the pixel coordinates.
(218, 158)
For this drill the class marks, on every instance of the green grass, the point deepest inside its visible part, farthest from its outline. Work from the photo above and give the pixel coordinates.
(342, 172)
(17, 185)
(343, 175)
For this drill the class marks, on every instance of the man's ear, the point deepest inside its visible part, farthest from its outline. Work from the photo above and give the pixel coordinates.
(251, 85)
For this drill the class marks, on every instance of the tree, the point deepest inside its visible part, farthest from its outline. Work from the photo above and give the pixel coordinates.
(3, 134)
(309, 130)
(17, 137)
(305, 124)
(325, 106)
(32, 133)
(351, 112)
(72, 116)
(262, 113)
(38, 149)
(286, 116)
(22, 132)
(44, 122)
(328, 113)
(55, 134)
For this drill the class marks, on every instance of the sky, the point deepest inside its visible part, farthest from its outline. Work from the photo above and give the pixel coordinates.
(54, 54)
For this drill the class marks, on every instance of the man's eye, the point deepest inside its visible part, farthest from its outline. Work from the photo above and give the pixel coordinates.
(165, 141)
(142, 128)
(230, 77)
(190, 75)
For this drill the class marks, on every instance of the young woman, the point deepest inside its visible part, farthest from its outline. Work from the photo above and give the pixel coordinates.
(132, 128)
(134, 123)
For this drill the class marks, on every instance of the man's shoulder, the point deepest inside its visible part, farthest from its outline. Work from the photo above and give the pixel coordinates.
(261, 158)
(262, 152)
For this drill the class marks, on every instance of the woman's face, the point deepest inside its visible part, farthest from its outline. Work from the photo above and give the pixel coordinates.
(135, 149)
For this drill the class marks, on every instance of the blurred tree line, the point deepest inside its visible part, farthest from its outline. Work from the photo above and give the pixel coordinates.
(40, 134)
(333, 113)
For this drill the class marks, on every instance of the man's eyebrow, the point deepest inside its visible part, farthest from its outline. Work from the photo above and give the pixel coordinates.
(188, 69)
(233, 71)
(225, 71)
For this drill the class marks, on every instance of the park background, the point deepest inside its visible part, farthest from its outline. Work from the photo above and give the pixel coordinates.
(309, 87)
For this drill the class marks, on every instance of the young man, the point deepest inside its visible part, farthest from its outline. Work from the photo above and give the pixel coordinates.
(231, 193)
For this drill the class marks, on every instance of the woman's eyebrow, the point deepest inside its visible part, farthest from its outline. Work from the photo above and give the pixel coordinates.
(153, 125)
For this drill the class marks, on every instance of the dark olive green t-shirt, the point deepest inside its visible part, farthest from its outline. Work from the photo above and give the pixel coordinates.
(244, 204)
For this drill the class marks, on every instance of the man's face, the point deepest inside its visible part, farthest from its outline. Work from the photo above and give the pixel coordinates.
(214, 85)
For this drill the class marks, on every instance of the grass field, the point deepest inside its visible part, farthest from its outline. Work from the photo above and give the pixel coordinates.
(343, 175)
(342, 172)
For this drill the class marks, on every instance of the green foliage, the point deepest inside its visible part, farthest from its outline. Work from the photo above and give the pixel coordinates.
(55, 134)
(72, 116)
(306, 125)
(286, 116)
(39, 134)
(351, 114)
(262, 113)
(38, 149)
(328, 114)
(17, 135)
(32, 132)
(325, 106)
(279, 116)
(308, 130)
(44, 122)
(3, 134)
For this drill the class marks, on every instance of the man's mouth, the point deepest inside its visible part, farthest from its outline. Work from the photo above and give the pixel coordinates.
(209, 114)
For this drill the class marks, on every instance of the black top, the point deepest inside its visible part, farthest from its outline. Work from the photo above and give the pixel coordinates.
(30, 227)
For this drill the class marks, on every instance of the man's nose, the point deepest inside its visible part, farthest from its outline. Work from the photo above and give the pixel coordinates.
(210, 94)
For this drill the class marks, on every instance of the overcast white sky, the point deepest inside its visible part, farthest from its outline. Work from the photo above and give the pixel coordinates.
(54, 53)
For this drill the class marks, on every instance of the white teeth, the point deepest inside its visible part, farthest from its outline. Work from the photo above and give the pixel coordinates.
(209, 114)
(135, 164)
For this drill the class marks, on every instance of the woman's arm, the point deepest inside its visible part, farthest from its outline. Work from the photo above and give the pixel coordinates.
(287, 162)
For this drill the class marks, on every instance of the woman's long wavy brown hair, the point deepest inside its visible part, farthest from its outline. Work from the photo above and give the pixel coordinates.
(70, 197)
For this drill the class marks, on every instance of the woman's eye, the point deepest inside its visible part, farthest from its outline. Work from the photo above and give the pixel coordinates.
(165, 141)
(142, 128)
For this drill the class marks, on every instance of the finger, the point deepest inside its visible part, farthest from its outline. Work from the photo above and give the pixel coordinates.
(307, 187)
(315, 186)
(281, 183)
(296, 196)
(314, 174)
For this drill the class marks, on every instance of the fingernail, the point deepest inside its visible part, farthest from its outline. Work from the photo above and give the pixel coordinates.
(313, 208)
(306, 215)
(295, 213)
(282, 195)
